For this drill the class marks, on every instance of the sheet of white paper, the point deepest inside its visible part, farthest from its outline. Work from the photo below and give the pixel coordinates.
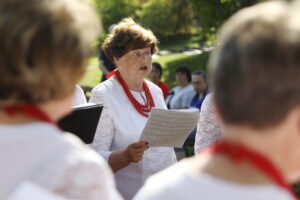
(169, 128)
(28, 190)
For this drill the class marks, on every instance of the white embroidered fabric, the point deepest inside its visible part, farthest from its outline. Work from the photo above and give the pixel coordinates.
(105, 129)
(80, 174)
(69, 168)
(208, 127)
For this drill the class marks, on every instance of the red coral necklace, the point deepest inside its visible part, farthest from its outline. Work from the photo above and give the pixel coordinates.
(140, 108)
(238, 153)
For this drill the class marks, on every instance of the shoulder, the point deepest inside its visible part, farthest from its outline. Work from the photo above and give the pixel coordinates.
(80, 154)
(83, 172)
(161, 186)
(78, 88)
(175, 89)
(189, 88)
(153, 87)
(104, 86)
(104, 90)
(164, 85)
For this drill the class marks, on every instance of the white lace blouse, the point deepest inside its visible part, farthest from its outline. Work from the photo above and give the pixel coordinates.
(208, 128)
(120, 125)
(58, 162)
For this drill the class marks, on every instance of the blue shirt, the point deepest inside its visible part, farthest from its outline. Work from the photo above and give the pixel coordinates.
(196, 102)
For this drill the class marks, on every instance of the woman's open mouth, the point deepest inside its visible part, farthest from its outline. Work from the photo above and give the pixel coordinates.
(144, 68)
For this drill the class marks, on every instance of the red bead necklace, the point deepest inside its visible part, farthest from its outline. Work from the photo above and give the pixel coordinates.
(29, 110)
(140, 108)
(238, 153)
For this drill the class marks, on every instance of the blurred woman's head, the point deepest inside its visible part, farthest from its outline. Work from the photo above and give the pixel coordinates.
(156, 72)
(257, 67)
(43, 48)
(183, 76)
(256, 80)
(199, 82)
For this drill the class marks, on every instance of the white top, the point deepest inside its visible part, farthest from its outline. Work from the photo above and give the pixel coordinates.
(79, 97)
(59, 162)
(28, 190)
(178, 183)
(209, 128)
(182, 97)
(120, 125)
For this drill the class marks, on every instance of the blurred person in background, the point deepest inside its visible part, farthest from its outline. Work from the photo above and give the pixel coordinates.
(180, 97)
(199, 82)
(155, 77)
(42, 43)
(79, 96)
(256, 69)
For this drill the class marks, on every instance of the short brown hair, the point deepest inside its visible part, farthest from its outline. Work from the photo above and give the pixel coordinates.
(127, 36)
(257, 65)
(44, 45)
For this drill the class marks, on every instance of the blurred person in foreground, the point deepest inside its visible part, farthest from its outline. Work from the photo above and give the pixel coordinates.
(155, 77)
(257, 93)
(42, 43)
(128, 99)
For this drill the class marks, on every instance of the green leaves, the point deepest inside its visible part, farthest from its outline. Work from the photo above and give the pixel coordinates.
(171, 19)
(112, 11)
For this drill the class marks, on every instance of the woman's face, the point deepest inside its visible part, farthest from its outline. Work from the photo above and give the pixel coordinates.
(199, 83)
(155, 75)
(135, 63)
(181, 78)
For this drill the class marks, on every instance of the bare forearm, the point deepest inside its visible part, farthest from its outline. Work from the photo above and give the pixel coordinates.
(118, 160)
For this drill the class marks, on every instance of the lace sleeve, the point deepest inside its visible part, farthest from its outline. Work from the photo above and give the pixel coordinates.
(208, 128)
(87, 180)
(74, 171)
(105, 130)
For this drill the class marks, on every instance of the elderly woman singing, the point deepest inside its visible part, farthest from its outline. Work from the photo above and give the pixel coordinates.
(127, 100)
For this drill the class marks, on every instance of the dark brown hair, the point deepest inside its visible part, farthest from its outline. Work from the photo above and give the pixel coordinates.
(257, 66)
(127, 36)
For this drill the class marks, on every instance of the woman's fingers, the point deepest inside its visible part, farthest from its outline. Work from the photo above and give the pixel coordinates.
(136, 150)
(140, 144)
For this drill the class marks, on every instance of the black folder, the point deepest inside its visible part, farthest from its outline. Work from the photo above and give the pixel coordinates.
(83, 121)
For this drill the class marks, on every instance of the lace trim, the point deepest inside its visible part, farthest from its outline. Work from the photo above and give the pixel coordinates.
(105, 130)
(208, 127)
(77, 174)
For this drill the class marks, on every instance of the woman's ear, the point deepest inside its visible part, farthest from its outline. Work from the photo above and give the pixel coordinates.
(116, 61)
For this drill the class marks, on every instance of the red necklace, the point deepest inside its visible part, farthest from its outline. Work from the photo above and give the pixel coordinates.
(29, 110)
(140, 108)
(239, 152)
